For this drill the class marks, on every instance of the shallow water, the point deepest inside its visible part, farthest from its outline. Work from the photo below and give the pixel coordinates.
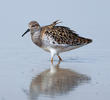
(25, 70)
(27, 74)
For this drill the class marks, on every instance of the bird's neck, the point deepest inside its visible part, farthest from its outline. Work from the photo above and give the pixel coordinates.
(35, 35)
(35, 31)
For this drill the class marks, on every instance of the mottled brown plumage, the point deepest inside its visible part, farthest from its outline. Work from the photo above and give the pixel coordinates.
(63, 35)
(55, 39)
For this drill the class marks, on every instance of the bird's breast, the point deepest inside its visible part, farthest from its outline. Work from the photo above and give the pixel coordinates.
(36, 39)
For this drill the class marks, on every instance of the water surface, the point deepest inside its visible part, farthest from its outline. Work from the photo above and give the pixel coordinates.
(29, 75)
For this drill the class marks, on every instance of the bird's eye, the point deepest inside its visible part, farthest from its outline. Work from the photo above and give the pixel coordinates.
(33, 25)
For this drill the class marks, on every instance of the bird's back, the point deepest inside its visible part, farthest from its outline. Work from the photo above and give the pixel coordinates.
(64, 35)
(61, 38)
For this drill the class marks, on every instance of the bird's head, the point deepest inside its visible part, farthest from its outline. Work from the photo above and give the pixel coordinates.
(33, 27)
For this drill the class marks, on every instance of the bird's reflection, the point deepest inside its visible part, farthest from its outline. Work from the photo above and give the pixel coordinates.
(55, 81)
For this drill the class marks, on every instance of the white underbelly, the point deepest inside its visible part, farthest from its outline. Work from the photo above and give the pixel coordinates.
(60, 49)
(46, 49)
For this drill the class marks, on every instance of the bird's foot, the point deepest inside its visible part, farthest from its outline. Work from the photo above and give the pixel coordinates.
(60, 58)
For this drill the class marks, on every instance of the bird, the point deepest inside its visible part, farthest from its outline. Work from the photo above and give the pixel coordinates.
(55, 39)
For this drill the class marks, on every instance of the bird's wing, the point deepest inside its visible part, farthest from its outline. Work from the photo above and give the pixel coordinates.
(62, 36)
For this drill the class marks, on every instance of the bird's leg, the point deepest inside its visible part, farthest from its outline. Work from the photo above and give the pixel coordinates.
(59, 58)
(52, 55)
(57, 65)
(52, 60)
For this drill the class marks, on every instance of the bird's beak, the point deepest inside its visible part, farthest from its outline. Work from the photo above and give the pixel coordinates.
(26, 32)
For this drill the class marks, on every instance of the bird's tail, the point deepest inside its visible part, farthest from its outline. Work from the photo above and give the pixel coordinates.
(85, 41)
(88, 41)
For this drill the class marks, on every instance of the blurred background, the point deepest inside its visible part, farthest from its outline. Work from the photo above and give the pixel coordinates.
(90, 18)
(20, 58)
